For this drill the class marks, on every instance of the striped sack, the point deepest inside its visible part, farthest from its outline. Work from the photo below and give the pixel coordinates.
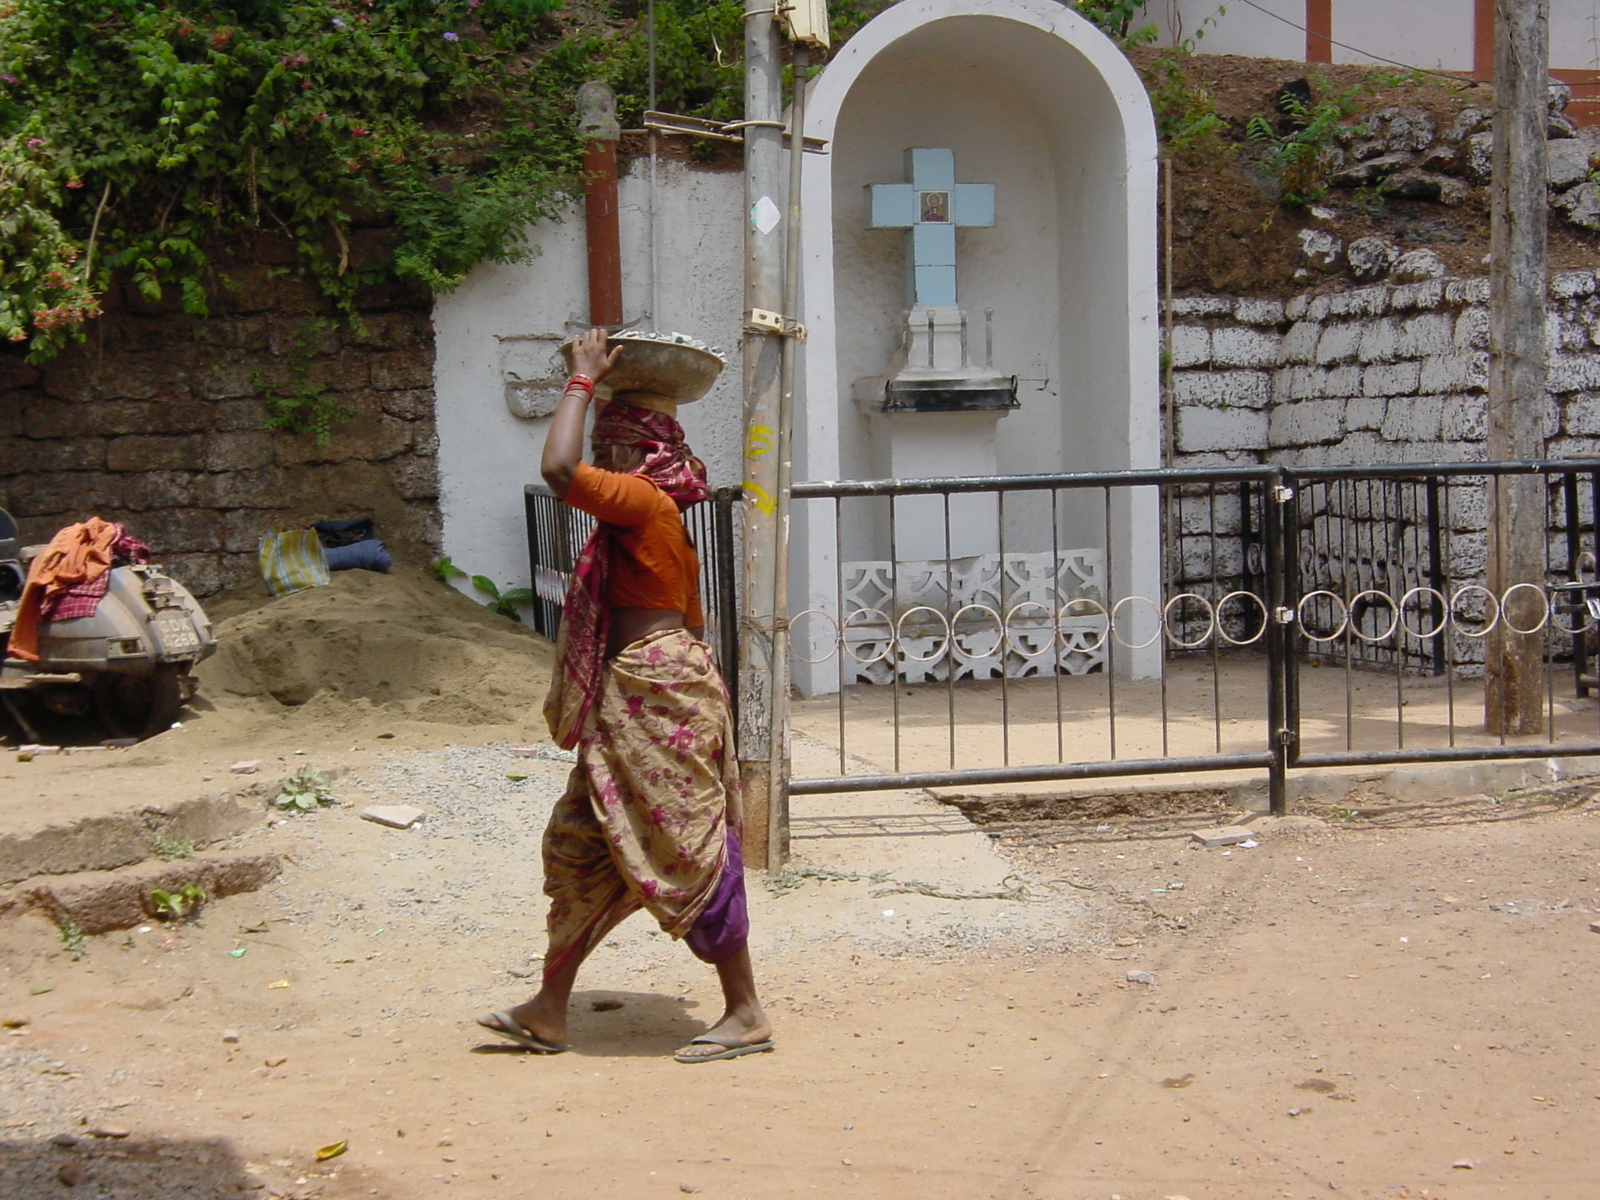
(292, 560)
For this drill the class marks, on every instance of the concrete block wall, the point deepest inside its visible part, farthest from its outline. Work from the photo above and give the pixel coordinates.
(1380, 374)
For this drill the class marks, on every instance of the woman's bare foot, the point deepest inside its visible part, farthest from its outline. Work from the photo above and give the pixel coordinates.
(543, 1019)
(744, 1023)
(734, 1032)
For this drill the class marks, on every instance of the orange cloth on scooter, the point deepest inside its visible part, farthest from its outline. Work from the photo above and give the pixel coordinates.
(78, 554)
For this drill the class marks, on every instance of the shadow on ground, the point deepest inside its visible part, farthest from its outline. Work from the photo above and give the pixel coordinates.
(122, 1169)
(613, 1024)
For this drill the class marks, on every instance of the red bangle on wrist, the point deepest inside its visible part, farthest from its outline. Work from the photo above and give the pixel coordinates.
(580, 381)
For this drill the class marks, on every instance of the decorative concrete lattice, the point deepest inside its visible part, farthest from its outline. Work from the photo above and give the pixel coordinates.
(1042, 614)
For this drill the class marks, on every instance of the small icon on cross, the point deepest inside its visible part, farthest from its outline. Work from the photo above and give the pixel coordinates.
(930, 208)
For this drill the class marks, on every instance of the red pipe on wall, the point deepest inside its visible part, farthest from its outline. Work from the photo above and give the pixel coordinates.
(597, 123)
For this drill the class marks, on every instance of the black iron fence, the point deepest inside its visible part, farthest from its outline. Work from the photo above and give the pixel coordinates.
(1058, 627)
(1045, 628)
(557, 532)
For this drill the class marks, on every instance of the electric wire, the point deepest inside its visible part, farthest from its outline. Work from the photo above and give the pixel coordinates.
(1455, 76)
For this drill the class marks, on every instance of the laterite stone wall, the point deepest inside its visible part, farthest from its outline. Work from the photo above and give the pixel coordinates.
(159, 421)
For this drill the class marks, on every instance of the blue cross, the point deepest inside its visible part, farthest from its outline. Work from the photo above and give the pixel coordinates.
(930, 208)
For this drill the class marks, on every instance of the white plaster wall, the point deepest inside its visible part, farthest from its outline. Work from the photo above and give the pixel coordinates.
(921, 96)
(486, 455)
(1436, 34)
(1241, 30)
(1032, 98)
(1420, 33)
(1575, 34)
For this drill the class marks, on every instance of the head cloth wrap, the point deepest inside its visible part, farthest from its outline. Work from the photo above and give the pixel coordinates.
(668, 462)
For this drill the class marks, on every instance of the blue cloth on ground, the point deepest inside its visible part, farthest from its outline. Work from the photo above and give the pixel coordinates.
(369, 555)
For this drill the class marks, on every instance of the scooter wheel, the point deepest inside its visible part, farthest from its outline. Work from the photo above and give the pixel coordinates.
(139, 706)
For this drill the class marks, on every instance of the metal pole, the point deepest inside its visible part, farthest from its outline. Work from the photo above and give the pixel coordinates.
(778, 778)
(763, 274)
(1518, 280)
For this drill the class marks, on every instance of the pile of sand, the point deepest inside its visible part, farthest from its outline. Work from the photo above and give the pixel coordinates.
(401, 644)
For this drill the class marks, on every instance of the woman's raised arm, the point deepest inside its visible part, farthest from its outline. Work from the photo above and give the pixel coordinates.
(563, 446)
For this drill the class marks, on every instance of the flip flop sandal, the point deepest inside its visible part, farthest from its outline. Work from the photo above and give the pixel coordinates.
(502, 1024)
(731, 1048)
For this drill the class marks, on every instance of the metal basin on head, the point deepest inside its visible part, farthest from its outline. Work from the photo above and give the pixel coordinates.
(668, 364)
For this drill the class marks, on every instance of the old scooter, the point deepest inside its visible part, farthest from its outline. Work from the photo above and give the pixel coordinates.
(129, 663)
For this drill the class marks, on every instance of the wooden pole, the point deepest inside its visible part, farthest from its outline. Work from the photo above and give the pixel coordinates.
(1519, 203)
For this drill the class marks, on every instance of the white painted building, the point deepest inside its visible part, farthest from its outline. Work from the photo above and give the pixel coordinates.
(1447, 35)
(1032, 100)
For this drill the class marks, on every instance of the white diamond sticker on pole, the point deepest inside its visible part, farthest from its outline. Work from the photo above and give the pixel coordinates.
(765, 215)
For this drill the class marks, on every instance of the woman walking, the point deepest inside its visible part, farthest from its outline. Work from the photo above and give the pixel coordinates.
(650, 818)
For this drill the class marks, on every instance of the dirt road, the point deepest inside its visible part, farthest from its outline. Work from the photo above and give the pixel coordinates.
(1391, 1006)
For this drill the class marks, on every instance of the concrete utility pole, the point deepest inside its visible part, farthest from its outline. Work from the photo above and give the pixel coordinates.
(764, 238)
(1513, 684)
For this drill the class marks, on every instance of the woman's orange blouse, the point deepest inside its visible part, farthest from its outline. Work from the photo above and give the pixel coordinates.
(657, 568)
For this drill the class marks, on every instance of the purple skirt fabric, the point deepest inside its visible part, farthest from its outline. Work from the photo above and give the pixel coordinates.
(723, 926)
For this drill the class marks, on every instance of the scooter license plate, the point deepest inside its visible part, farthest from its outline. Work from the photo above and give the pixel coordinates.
(176, 632)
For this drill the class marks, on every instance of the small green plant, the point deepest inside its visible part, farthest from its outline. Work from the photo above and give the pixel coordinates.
(1115, 18)
(305, 790)
(1187, 120)
(1340, 813)
(167, 849)
(444, 570)
(298, 406)
(505, 603)
(1299, 143)
(179, 905)
(72, 938)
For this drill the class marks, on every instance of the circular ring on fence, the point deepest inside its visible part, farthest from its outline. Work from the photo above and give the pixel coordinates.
(837, 634)
(1155, 610)
(1505, 604)
(1166, 621)
(888, 642)
(1487, 595)
(1253, 638)
(1000, 628)
(1063, 615)
(1444, 609)
(899, 640)
(1009, 632)
(1580, 606)
(1300, 615)
(1394, 621)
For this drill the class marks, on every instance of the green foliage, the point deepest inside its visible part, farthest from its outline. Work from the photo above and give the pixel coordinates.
(178, 905)
(167, 849)
(135, 133)
(72, 940)
(299, 406)
(444, 570)
(505, 603)
(1115, 18)
(1299, 144)
(1187, 121)
(306, 789)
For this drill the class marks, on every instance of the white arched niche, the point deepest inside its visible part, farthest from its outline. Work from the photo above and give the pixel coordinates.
(1035, 100)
